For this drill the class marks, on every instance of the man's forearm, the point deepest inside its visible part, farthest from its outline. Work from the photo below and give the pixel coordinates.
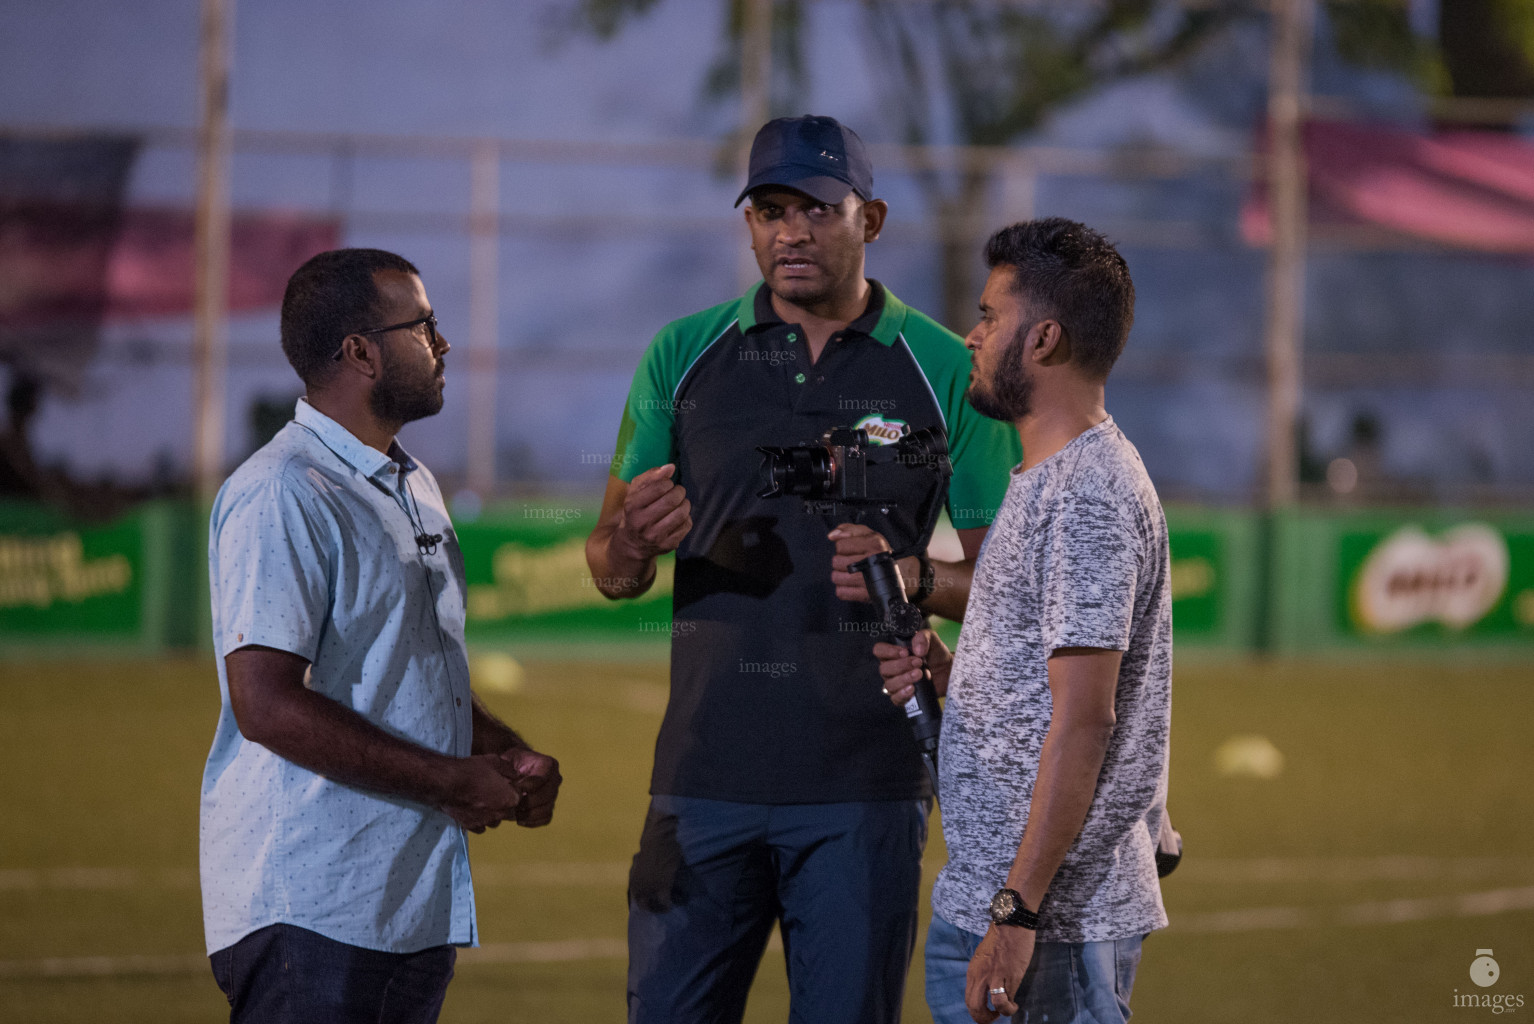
(332, 740)
(1069, 765)
(491, 735)
(950, 588)
(616, 570)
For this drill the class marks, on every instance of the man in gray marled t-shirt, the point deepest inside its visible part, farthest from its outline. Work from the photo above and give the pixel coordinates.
(1077, 557)
(1053, 755)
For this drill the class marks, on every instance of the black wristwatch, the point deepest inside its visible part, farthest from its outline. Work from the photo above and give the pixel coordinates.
(926, 582)
(1007, 907)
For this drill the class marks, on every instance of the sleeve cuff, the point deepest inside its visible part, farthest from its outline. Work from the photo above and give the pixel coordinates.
(234, 639)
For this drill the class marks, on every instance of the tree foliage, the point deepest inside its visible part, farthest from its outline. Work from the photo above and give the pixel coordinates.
(1480, 49)
(1379, 34)
(1488, 47)
(987, 73)
(976, 73)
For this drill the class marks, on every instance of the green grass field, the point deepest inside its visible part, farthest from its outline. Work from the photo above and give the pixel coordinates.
(1356, 885)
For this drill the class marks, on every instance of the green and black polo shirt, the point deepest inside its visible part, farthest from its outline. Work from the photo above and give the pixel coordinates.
(775, 692)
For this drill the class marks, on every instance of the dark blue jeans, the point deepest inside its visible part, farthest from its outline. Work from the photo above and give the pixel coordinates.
(1067, 982)
(283, 974)
(712, 878)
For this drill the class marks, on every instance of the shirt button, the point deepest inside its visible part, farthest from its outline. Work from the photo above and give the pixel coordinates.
(821, 379)
(792, 336)
(458, 701)
(798, 378)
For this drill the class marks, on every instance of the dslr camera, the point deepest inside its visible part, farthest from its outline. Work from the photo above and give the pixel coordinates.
(844, 475)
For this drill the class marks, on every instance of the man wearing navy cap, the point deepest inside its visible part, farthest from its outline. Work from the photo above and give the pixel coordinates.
(786, 790)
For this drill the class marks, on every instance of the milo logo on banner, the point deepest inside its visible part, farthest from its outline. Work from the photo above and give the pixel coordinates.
(1410, 579)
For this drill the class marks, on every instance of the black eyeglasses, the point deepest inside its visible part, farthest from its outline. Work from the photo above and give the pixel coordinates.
(430, 320)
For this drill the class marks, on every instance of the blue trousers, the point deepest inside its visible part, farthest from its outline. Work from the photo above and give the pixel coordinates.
(1067, 982)
(283, 974)
(712, 878)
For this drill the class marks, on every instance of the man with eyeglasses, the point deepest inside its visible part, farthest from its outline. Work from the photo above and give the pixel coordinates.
(350, 755)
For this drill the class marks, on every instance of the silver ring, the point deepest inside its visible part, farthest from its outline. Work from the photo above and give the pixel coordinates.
(884, 690)
(998, 991)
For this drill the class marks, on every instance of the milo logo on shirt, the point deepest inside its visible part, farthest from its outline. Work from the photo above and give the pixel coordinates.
(881, 430)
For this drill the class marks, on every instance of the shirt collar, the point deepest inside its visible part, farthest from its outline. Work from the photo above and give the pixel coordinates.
(883, 320)
(368, 461)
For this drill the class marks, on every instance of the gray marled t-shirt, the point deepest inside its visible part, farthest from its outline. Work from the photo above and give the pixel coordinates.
(1077, 557)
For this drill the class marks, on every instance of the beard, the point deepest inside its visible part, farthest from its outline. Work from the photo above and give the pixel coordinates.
(1011, 396)
(404, 394)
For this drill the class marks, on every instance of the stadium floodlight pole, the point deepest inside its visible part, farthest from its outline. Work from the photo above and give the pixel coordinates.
(484, 313)
(755, 100)
(211, 250)
(1292, 30)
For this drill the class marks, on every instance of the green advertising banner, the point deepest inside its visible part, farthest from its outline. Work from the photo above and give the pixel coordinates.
(527, 577)
(69, 583)
(1374, 580)
(528, 580)
(1216, 576)
(1365, 580)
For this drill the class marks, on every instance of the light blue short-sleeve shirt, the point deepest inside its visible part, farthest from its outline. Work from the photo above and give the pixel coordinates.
(313, 550)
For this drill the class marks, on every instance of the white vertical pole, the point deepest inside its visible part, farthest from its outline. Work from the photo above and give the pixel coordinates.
(1284, 340)
(1019, 190)
(484, 313)
(755, 100)
(211, 251)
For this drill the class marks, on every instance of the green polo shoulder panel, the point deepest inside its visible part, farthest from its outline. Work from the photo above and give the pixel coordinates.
(983, 450)
(647, 434)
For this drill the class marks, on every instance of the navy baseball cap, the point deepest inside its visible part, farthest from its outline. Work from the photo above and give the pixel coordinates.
(818, 156)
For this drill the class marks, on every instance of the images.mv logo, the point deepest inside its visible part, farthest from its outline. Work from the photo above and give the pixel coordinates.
(1485, 971)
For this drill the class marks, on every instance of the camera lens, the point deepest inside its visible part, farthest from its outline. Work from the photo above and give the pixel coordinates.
(806, 471)
(925, 444)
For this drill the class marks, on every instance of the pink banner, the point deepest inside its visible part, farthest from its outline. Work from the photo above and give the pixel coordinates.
(1465, 189)
(51, 261)
(150, 273)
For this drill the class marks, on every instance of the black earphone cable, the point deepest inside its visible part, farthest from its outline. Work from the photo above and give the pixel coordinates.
(426, 543)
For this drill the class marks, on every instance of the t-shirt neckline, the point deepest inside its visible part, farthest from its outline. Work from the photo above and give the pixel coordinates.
(1095, 428)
